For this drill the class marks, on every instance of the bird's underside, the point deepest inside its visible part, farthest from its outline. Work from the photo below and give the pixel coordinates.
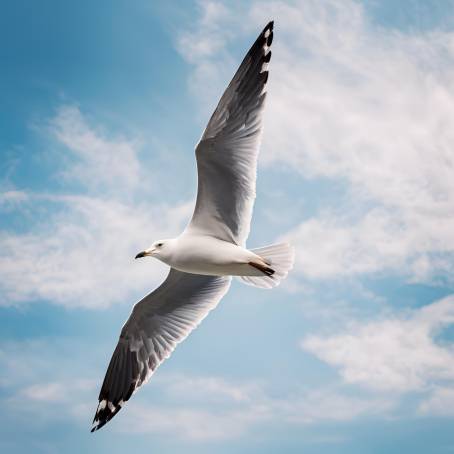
(226, 164)
(211, 256)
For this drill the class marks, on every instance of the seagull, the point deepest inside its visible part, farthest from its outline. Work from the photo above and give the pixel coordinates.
(212, 248)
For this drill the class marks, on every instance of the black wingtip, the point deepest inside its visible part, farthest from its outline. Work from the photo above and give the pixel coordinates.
(104, 413)
(264, 77)
(267, 33)
(103, 420)
(267, 57)
(269, 40)
(269, 26)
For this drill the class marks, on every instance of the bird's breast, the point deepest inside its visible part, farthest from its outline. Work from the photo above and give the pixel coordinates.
(206, 255)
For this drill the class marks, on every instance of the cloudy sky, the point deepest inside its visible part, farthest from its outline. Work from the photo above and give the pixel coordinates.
(101, 106)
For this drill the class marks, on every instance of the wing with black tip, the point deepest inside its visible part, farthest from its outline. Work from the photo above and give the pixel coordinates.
(227, 153)
(157, 324)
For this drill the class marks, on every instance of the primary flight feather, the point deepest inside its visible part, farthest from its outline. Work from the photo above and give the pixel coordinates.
(212, 247)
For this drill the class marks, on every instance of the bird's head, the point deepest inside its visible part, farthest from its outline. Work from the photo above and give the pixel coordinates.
(158, 249)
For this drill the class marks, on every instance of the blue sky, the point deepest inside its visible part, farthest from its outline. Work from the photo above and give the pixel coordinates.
(102, 104)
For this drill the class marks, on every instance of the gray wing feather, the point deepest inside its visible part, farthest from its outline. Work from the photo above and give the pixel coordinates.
(157, 324)
(227, 153)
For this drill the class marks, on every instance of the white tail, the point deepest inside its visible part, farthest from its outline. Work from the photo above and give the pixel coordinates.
(279, 258)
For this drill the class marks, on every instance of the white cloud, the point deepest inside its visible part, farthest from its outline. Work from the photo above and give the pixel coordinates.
(208, 388)
(193, 424)
(330, 405)
(84, 255)
(209, 36)
(54, 392)
(40, 376)
(331, 246)
(367, 108)
(100, 162)
(396, 354)
(206, 417)
(439, 403)
(12, 197)
(187, 407)
(204, 47)
(78, 248)
(351, 101)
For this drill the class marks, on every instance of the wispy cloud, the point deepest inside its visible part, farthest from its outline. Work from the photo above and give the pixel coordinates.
(439, 403)
(353, 102)
(79, 249)
(382, 240)
(204, 47)
(324, 404)
(365, 108)
(193, 424)
(210, 418)
(179, 386)
(41, 376)
(397, 354)
(193, 408)
(98, 161)
(56, 391)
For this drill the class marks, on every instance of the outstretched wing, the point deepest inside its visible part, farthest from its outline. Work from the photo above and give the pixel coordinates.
(227, 153)
(157, 324)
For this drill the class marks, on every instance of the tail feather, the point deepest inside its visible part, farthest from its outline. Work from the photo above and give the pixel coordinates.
(277, 262)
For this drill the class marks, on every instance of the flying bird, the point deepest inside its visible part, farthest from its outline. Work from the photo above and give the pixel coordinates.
(212, 248)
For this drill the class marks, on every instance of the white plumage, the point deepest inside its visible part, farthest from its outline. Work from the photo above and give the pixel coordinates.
(212, 247)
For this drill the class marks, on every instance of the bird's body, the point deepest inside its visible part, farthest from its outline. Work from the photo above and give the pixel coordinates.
(204, 254)
(212, 248)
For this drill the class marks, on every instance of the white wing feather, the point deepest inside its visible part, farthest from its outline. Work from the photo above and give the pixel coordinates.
(227, 153)
(157, 324)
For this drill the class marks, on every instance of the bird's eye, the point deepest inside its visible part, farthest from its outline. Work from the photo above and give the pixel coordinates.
(159, 244)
